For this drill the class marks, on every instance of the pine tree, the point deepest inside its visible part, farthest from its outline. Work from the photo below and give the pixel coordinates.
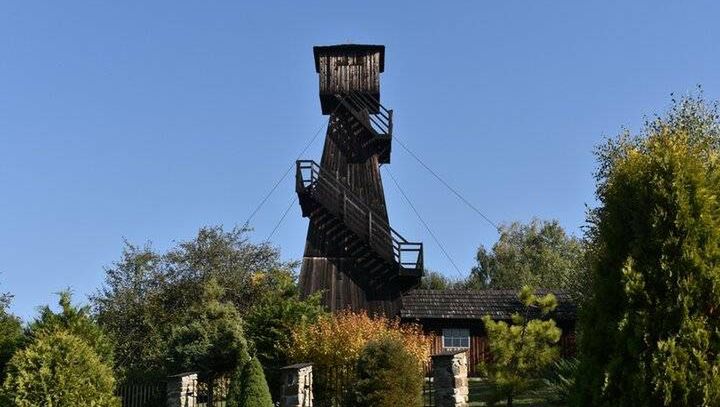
(522, 349)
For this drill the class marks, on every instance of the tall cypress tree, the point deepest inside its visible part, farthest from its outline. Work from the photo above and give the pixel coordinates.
(650, 329)
(248, 387)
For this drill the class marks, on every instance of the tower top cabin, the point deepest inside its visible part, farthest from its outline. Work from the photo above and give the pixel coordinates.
(348, 68)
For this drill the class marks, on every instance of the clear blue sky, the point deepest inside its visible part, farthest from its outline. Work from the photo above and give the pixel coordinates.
(146, 120)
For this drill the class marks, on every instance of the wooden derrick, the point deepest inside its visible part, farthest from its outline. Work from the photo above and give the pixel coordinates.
(352, 254)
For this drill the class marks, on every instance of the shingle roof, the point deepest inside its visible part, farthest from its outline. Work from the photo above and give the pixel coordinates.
(474, 304)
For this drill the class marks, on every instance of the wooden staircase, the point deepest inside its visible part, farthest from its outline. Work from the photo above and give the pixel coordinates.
(370, 130)
(381, 252)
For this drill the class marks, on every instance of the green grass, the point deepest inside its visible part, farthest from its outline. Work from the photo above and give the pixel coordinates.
(480, 391)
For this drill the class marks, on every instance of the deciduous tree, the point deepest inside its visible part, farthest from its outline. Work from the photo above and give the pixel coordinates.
(147, 293)
(432, 280)
(338, 340)
(270, 324)
(387, 375)
(539, 253)
(212, 340)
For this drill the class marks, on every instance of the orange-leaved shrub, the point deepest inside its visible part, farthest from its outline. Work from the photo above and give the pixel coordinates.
(338, 340)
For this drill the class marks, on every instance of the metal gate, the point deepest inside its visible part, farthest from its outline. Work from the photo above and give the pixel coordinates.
(210, 392)
(142, 394)
(428, 397)
(332, 386)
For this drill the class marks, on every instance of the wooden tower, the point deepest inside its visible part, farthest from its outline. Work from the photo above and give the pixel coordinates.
(352, 254)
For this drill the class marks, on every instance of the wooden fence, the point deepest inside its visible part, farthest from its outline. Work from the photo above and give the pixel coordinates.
(202, 393)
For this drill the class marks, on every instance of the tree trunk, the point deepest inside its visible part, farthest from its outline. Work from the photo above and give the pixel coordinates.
(510, 401)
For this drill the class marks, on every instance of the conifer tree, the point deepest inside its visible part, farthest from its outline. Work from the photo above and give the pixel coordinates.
(59, 369)
(11, 334)
(76, 320)
(522, 349)
(650, 333)
(248, 387)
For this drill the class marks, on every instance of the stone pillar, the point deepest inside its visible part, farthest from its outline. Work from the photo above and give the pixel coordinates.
(297, 386)
(182, 390)
(450, 383)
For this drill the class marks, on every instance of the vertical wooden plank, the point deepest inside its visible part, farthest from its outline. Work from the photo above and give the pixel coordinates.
(326, 264)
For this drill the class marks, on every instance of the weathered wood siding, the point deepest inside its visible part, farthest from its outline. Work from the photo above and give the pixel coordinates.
(363, 178)
(344, 69)
(479, 350)
(344, 73)
(327, 266)
(342, 288)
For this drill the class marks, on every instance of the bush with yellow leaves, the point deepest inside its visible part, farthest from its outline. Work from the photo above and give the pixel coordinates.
(338, 340)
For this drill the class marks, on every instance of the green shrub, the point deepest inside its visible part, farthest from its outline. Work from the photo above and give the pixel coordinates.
(74, 320)
(388, 375)
(255, 392)
(11, 336)
(235, 387)
(57, 370)
(212, 340)
(559, 381)
(248, 387)
(270, 323)
(649, 331)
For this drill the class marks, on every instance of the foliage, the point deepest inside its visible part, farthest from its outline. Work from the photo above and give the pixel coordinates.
(134, 305)
(59, 369)
(146, 292)
(270, 323)
(522, 349)
(482, 393)
(248, 387)
(558, 383)
(432, 280)
(11, 334)
(338, 340)
(74, 320)
(539, 254)
(235, 386)
(212, 341)
(388, 375)
(651, 330)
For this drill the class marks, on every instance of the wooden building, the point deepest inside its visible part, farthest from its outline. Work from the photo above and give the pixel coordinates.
(452, 318)
(352, 255)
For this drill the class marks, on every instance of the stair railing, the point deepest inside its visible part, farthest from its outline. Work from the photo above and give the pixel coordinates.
(369, 112)
(340, 200)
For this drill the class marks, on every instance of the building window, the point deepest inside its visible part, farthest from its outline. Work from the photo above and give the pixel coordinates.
(456, 338)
